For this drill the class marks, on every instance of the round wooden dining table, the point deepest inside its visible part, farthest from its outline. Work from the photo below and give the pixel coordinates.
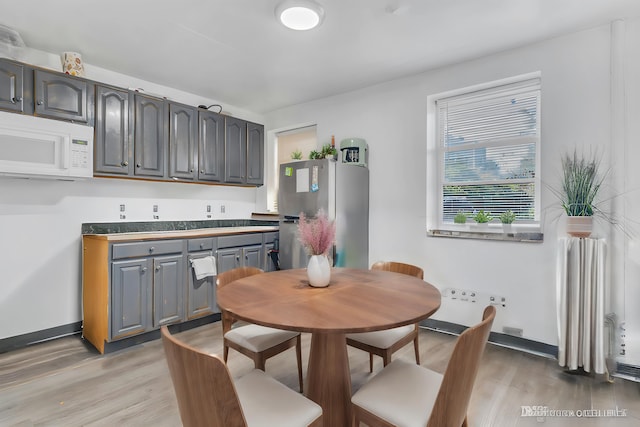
(355, 301)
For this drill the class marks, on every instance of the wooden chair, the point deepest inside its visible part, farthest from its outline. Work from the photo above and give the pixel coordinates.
(207, 396)
(410, 395)
(385, 343)
(255, 341)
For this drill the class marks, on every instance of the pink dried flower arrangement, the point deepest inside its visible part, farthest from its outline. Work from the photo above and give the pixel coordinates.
(316, 235)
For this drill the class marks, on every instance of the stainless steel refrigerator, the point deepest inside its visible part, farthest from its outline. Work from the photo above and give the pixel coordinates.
(342, 191)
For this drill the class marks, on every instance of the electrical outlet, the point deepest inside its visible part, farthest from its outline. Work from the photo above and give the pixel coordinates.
(516, 332)
(122, 208)
(222, 208)
(497, 300)
(155, 208)
(208, 210)
(463, 295)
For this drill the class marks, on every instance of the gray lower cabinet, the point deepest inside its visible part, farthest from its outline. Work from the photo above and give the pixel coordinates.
(183, 142)
(201, 294)
(150, 136)
(112, 154)
(269, 246)
(131, 287)
(130, 307)
(168, 290)
(60, 96)
(147, 286)
(244, 250)
(132, 283)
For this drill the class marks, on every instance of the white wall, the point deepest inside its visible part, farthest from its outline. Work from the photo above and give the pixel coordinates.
(40, 221)
(392, 118)
(630, 204)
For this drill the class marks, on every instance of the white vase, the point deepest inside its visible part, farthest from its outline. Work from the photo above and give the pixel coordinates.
(319, 271)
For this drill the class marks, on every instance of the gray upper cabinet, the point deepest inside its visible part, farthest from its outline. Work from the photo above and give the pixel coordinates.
(150, 136)
(59, 96)
(112, 154)
(137, 135)
(255, 154)
(243, 152)
(183, 142)
(13, 85)
(235, 150)
(210, 146)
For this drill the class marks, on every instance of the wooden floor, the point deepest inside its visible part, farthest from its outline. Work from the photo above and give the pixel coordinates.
(65, 382)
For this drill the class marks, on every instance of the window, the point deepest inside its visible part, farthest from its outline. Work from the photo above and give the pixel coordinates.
(488, 144)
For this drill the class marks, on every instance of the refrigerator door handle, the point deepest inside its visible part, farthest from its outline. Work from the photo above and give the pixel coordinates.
(290, 219)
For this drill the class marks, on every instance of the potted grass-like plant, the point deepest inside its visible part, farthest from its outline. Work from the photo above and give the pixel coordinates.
(581, 181)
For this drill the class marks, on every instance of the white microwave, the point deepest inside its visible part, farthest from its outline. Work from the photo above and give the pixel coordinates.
(35, 147)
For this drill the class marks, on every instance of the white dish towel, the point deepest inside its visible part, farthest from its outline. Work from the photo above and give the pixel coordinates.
(204, 267)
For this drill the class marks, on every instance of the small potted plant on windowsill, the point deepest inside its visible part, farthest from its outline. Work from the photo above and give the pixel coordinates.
(482, 219)
(460, 220)
(506, 218)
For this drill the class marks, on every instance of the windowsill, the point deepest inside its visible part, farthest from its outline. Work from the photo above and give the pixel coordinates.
(516, 236)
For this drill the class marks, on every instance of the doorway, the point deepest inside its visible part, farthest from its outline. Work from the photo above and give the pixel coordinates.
(286, 142)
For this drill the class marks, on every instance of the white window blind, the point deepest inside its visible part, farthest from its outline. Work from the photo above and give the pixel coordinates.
(488, 152)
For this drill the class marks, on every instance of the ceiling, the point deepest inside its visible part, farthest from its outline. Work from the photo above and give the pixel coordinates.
(235, 52)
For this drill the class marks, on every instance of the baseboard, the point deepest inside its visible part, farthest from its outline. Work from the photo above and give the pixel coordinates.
(505, 340)
(110, 347)
(20, 341)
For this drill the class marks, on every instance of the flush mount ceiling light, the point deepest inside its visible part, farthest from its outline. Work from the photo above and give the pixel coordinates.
(299, 14)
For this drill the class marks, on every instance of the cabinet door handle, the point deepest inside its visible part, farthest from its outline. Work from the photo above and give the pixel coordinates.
(151, 249)
(125, 163)
(144, 269)
(157, 268)
(138, 165)
(40, 102)
(191, 170)
(201, 245)
(237, 257)
(201, 170)
(16, 99)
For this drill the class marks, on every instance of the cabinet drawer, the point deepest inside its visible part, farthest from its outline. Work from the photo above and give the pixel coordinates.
(270, 237)
(140, 249)
(240, 240)
(204, 244)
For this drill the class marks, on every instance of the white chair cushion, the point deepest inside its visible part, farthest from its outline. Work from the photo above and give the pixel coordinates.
(267, 403)
(258, 338)
(382, 339)
(402, 393)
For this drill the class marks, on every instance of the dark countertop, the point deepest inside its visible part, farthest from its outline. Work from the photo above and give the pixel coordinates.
(163, 226)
